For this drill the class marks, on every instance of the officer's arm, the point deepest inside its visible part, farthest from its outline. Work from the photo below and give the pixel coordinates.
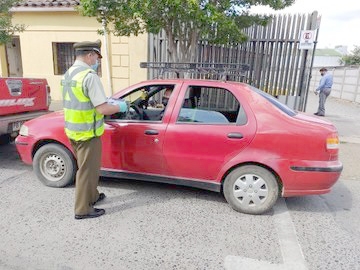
(94, 89)
(107, 109)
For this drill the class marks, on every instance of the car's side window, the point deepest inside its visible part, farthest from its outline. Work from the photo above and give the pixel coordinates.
(211, 105)
(147, 103)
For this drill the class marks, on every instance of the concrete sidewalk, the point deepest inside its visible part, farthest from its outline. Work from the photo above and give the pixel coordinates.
(345, 115)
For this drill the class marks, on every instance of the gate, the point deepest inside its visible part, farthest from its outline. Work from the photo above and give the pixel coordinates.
(276, 64)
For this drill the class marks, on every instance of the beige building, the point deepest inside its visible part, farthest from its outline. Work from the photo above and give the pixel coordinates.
(44, 49)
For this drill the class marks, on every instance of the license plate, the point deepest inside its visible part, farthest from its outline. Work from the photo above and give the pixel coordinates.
(16, 126)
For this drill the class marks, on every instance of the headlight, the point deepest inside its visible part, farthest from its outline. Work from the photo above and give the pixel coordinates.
(24, 130)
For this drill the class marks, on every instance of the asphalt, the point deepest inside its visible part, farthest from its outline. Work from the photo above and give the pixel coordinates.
(153, 226)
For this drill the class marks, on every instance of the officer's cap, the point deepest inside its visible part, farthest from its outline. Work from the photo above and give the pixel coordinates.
(89, 46)
(323, 69)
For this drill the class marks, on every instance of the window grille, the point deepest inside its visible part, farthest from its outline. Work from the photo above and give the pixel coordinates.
(64, 57)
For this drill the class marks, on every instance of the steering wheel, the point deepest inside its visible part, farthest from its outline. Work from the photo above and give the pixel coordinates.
(138, 111)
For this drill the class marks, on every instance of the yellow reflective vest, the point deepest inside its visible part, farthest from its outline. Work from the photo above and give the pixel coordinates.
(82, 121)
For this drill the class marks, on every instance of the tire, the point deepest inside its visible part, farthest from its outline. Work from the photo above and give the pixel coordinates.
(5, 139)
(54, 165)
(251, 189)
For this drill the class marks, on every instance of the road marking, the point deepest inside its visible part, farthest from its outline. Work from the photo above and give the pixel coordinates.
(292, 255)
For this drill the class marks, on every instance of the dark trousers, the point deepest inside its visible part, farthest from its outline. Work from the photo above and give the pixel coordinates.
(88, 155)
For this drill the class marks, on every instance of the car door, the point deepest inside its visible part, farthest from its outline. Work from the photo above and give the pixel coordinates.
(135, 145)
(208, 128)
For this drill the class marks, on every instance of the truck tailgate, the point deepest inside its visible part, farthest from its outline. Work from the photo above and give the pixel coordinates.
(18, 95)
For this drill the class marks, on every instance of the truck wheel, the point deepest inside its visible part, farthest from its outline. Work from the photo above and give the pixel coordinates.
(5, 139)
(54, 165)
(251, 189)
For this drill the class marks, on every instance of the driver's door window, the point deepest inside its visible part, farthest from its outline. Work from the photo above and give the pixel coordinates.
(148, 103)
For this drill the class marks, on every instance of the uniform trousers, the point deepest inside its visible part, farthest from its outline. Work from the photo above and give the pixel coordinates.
(88, 155)
(322, 98)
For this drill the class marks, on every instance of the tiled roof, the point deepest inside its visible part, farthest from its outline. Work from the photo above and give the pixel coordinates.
(47, 3)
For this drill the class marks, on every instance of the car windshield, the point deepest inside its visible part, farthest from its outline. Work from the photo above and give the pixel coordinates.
(275, 102)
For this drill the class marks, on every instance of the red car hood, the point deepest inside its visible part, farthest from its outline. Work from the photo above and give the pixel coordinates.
(47, 119)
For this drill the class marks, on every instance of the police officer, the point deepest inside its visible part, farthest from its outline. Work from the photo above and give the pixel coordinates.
(85, 105)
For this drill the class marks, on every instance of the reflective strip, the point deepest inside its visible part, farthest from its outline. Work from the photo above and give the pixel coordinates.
(82, 121)
(66, 83)
(74, 102)
(78, 127)
(80, 106)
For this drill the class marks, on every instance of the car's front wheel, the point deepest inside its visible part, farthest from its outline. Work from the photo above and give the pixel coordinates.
(54, 165)
(251, 189)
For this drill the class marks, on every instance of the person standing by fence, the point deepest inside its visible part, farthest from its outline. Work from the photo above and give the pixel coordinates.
(323, 90)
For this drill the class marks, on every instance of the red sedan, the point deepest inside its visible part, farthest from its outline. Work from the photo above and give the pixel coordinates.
(222, 136)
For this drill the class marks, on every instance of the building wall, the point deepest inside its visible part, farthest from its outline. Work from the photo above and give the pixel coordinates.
(346, 82)
(43, 28)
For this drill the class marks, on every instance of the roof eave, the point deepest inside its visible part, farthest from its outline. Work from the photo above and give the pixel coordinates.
(42, 9)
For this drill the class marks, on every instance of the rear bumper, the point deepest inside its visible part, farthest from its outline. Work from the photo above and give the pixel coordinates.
(317, 178)
(7, 123)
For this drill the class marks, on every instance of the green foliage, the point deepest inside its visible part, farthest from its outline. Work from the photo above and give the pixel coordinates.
(185, 21)
(6, 27)
(353, 58)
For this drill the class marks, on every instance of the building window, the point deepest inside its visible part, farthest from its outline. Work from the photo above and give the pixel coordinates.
(64, 57)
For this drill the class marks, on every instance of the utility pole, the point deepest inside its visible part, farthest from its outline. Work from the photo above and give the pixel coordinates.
(103, 10)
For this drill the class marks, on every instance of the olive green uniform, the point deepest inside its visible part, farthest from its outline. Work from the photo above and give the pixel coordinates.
(88, 152)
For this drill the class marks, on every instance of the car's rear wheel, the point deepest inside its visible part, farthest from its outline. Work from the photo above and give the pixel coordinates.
(54, 165)
(251, 189)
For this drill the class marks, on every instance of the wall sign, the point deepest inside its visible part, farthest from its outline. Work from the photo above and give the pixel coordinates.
(307, 38)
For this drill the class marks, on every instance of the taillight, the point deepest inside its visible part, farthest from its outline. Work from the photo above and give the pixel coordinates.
(332, 142)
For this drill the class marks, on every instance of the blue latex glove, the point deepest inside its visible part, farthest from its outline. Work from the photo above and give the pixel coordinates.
(123, 107)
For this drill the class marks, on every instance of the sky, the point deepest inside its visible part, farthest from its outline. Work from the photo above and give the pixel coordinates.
(340, 20)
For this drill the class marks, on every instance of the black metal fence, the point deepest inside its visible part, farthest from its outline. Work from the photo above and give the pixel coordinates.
(276, 64)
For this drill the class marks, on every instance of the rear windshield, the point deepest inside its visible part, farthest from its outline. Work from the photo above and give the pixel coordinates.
(275, 102)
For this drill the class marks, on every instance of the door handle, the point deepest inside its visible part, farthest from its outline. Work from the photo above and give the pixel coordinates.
(235, 135)
(151, 132)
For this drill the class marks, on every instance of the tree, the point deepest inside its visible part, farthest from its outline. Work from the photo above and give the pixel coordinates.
(185, 22)
(7, 29)
(353, 58)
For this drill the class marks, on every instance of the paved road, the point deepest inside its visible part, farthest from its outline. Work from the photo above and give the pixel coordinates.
(154, 226)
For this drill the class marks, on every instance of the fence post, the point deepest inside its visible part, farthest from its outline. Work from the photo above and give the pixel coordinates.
(342, 82)
(358, 86)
